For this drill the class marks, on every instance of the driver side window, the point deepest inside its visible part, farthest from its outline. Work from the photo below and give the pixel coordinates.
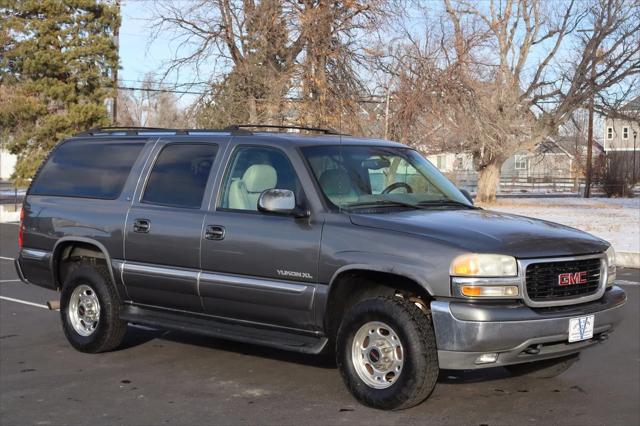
(253, 170)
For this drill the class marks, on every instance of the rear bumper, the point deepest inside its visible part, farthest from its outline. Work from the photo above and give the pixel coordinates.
(34, 267)
(464, 331)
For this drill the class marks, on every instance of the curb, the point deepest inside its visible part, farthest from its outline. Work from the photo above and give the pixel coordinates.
(627, 259)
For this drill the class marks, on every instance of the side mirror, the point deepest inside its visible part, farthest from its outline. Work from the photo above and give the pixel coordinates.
(280, 201)
(467, 195)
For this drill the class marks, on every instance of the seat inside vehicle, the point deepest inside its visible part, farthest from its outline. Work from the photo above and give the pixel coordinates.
(244, 193)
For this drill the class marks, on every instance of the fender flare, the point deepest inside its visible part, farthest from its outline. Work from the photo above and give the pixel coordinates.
(394, 270)
(56, 249)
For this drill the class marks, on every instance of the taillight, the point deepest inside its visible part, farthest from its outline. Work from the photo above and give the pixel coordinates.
(21, 230)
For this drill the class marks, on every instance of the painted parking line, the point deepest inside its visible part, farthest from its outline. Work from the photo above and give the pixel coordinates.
(625, 282)
(6, 258)
(9, 281)
(38, 305)
(24, 302)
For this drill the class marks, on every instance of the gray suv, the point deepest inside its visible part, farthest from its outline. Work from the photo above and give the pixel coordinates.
(316, 243)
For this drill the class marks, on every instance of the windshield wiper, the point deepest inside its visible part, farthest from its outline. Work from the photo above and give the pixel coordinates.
(445, 203)
(382, 203)
(422, 205)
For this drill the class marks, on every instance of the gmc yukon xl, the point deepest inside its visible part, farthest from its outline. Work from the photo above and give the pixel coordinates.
(317, 243)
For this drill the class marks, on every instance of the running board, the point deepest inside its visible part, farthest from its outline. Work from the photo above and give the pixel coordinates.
(227, 330)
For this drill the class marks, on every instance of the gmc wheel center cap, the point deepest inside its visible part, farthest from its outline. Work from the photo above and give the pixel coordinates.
(374, 355)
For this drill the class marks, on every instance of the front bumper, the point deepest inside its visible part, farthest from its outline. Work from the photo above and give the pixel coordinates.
(517, 333)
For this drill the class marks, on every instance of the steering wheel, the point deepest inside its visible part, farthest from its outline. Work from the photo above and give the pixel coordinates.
(397, 185)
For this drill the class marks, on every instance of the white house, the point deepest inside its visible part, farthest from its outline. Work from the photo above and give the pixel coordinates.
(7, 163)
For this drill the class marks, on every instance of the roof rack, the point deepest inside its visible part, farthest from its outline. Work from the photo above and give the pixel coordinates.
(236, 127)
(142, 131)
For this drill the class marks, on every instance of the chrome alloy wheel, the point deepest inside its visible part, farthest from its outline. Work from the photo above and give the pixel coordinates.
(377, 355)
(84, 310)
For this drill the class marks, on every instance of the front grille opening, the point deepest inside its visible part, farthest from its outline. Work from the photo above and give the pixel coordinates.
(542, 279)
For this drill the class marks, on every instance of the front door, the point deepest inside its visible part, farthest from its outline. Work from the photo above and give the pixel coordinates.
(256, 266)
(164, 224)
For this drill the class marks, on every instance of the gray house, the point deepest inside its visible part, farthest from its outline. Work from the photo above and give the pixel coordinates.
(622, 139)
(554, 165)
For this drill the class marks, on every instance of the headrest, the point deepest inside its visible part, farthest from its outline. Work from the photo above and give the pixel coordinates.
(336, 182)
(259, 177)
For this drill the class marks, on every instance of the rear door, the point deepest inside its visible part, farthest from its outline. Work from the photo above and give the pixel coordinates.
(164, 225)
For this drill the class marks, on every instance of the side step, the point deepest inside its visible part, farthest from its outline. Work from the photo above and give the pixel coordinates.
(214, 327)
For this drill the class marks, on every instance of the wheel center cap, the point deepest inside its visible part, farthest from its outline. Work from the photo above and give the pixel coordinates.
(374, 355)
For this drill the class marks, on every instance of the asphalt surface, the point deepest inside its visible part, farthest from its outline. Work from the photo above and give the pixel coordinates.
(169, 378)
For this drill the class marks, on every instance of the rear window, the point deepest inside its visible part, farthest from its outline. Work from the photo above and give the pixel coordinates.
(87, 169)
(179, 175)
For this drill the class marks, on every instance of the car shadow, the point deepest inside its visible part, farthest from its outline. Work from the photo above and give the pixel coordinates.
(137, 335)
(459, 377)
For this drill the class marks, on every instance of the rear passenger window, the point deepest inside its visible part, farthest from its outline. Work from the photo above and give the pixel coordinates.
(180, 175)
(87, 169)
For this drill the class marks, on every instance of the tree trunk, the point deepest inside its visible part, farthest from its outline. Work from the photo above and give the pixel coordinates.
(488, 181)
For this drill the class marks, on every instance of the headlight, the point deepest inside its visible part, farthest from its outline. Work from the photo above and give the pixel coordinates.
(611, 265)
(611, 256)
(484, 265)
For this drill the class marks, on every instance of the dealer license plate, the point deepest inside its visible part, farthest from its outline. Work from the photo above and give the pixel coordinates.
(581, 328)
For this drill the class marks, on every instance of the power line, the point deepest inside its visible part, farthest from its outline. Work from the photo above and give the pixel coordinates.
(369, 100)
(182, 92)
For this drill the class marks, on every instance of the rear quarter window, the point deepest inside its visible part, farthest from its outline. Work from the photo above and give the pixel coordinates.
(87, 169)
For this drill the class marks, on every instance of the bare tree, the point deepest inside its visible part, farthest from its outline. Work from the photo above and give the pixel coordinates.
(152, 106)
(518, 69)
(259, 56)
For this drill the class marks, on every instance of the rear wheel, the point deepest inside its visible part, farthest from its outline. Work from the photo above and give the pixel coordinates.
(90, 310)
(386, 353)
(545, 369)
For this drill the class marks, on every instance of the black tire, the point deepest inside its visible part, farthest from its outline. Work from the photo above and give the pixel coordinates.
(110, 329)
(420, 359)
(545, 369)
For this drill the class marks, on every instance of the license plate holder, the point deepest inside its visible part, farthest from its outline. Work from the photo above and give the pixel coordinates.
(581, 328)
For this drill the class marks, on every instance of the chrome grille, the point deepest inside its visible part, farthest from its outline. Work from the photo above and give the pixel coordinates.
(542, 279)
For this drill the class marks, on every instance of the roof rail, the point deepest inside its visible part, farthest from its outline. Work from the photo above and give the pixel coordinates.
(126, 130)
(236, 127)
(137, 131)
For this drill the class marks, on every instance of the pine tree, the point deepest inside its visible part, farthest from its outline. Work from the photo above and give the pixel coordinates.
(56, 60)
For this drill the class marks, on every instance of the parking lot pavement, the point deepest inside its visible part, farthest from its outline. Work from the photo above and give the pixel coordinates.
(160, 377)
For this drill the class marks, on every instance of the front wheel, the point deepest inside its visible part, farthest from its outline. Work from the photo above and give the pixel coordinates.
(386, 353)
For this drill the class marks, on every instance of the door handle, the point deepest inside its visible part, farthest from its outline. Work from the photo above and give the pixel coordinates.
(142, 225)
(214, 232)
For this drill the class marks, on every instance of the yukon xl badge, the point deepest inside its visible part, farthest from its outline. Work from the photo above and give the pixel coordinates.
(294, 274)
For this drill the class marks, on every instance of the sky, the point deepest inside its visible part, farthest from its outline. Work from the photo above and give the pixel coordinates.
(139, 53)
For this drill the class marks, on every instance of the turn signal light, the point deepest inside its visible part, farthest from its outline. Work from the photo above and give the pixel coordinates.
(489, 290)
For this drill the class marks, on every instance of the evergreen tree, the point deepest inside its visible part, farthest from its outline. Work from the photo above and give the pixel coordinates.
(56, 62)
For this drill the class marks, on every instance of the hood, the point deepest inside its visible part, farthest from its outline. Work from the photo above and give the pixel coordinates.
(485, 231)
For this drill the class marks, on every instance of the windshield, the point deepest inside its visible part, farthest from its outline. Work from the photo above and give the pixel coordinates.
(369, 176)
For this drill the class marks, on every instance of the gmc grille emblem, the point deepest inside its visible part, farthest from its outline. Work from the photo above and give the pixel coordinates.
(571, 278)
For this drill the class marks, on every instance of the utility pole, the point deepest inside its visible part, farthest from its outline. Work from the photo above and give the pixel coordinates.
(386, 116)
(633, 182)
(116, 41)
(587, 181)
